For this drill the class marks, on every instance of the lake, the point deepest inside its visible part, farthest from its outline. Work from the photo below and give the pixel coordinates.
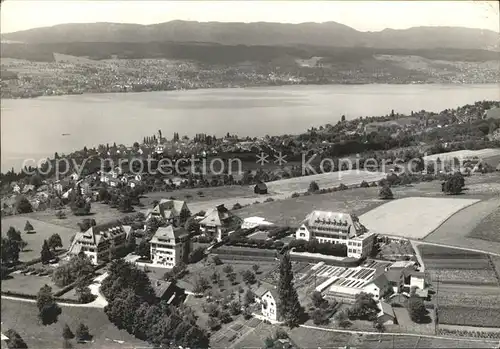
(33, 128)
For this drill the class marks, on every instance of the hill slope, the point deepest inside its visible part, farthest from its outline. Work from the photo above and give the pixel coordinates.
(329, 34)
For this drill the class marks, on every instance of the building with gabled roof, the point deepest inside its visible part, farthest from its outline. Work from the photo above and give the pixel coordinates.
(219, 222)
(337, 228)
(174, 212)
(170, 246)
(267, 297)
(97, 241)
(386, 315)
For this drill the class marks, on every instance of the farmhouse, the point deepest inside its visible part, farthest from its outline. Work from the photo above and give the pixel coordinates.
(386, 315)
(174, 212)
(219, 222)
(267, 297)
(167, 291)
(337, 228)
(170, 246)
(97, 241)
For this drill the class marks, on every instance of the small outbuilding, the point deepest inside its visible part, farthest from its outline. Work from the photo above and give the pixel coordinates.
(386, 315)
(260, 188)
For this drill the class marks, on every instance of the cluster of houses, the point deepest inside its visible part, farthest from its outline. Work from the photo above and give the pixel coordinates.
(171, 245)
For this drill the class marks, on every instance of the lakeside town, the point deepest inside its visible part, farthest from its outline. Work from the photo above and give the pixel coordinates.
(68, 75)
(273, 256)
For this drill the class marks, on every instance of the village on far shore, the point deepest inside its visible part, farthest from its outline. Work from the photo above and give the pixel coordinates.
(273, 257)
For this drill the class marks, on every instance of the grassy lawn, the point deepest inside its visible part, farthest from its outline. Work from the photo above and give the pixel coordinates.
(407, 325)
(43, 231)
(256, 337)
(22, 317)
(27, 284)
(100, 212)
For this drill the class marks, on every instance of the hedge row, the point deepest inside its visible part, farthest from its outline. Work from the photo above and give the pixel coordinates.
(242, 252)
(31, 296)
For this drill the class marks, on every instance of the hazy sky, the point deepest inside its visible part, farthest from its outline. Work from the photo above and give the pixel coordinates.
(362, 15)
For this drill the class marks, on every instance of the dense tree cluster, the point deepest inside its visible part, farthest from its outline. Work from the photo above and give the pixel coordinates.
(132, 306)
(364, 308)
(78, 267)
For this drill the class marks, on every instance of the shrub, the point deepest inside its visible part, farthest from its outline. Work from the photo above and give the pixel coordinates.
(269, 200)
(237, 206)
(342, 186)
(197, 255)
(386, 193)
(364, 184)
(313, 187)
(295, 195)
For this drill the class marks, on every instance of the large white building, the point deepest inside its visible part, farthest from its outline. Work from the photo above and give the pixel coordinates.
(337, 228)
(170, 246)
(97, 241)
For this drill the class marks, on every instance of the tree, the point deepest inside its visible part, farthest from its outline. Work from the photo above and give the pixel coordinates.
(28, 227)
(15, 341)
(249, 297)
(228, 269)
(83, 293)
(10, 251)
(55, 241)
(200, 285)
(231, 277)
(213, 323)
(60, 214)
(192, 225)
(342, 119)
(364, 308)
(378, 326)
(125, 204)
(256, 268)
(67, 333)
(143, 249)
(319, 317)
(235, 307)
(364, 184)
(86, 224)
(288, 304)
(418, 311)
(45, 253)
(248, 277)
(454, 185)
(47, 307)
(13, 234)
(317, 299)
(82, 333)
(23, 205)
(342, 319)
(197, 255)
(385, 193)
(313, 187)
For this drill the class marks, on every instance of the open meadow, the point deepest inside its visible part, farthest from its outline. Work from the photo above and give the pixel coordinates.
(325, 180)
(484, 154)
(476, 226)
(43, 231)
(412, 218)
(22, 317)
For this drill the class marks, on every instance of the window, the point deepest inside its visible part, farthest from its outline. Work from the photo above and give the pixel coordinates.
(302, 235)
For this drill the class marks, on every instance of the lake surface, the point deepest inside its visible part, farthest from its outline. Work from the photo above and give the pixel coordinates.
(33, 128)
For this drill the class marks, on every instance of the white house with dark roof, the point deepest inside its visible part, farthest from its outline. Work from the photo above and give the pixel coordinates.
(267, 297)
(337, 228)
(219, 222)
(174, 212)
(170, 246)
(97, 241)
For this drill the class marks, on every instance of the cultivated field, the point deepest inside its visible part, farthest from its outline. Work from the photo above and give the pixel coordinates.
(467, 316)
(464, 154)
(22, 317)
(414, 217)
(325, 180)
(43, 231)
(476, 226)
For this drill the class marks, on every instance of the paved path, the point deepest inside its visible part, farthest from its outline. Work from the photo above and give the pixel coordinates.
(400, 334)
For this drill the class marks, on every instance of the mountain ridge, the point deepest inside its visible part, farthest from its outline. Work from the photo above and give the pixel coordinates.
(329, 34)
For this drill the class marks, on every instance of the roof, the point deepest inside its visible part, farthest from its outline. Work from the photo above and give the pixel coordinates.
(339, 220)
(217, 216)
(168, 208)
(161, 287)
(393, 275)
(418, 274)
(385, 309)
(94, 235)
(380, 281)
(401, 264)
(169, 233)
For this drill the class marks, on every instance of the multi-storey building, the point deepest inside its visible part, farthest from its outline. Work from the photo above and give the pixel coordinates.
(174, 212)
(170, 246)
(337, 228)
(219, 222)
(97, 241)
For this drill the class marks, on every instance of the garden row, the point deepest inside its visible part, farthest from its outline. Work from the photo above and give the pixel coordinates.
(469, 316)
(465, 333)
